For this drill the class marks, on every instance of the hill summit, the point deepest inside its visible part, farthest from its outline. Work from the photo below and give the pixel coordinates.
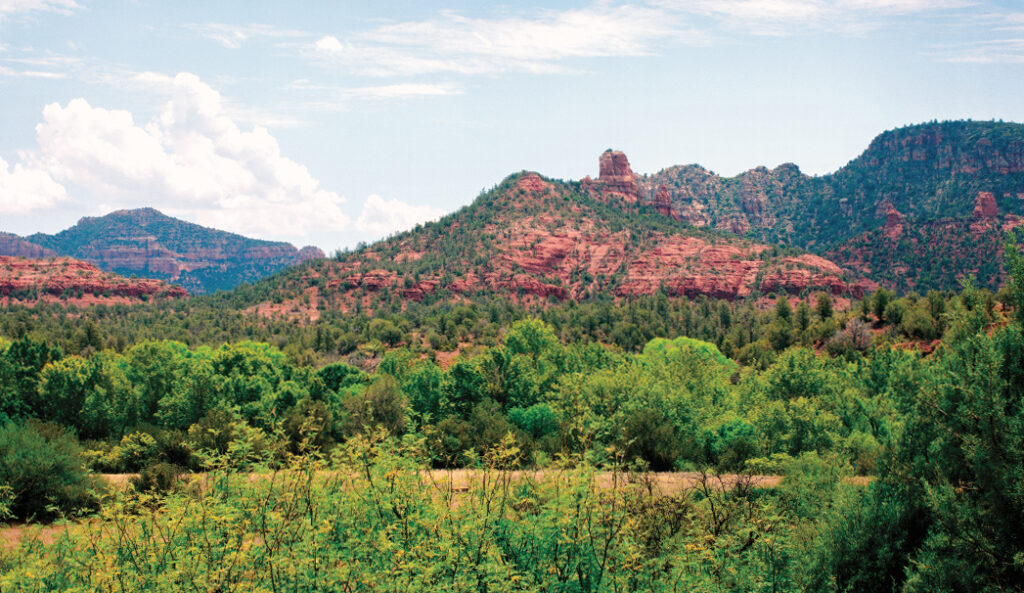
(145, 242)
(533, 238)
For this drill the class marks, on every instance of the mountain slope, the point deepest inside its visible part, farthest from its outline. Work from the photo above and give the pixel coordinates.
(147, 243)
(925, 173)
(533, 239)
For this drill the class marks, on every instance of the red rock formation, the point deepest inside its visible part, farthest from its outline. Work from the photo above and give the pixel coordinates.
(533, 183)
(663, 203)
(615, 176)
(15, 246)
(1011, 222)
(535, 244)
(32, 279)
(310, 252)
(893, 222)
(985, 205)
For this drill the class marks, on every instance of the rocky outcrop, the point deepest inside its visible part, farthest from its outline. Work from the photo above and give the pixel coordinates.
(663, 203)
(15, 246)
(310, 252)
(616, 177)
(62, 278)
(893, 223)
(532, 183)
(985, 205)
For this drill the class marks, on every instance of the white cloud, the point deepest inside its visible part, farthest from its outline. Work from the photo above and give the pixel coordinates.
(457, 44)
(234, 36)
(12, 7)
(25, 189)
(329, 43)
(4, 71)
(400, 91)
(192, 159)
(383, 217)
(786, 17)
(995, 51)
(1003, 43)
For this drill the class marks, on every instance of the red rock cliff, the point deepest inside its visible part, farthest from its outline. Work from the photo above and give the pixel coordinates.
(32, 279)
(985, 205)
(616, 177)
(15, 246)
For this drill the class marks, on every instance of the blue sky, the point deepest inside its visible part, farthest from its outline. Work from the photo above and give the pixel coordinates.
(330, 123)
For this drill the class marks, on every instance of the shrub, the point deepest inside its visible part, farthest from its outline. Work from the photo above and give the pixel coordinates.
(44, 468)
(538, 420)
(157, 478)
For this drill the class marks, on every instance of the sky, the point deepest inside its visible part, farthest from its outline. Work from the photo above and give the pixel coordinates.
(334, 123)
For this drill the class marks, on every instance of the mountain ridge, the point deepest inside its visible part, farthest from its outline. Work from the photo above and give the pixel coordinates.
(148, 243)
(926, 172)
(533, 238)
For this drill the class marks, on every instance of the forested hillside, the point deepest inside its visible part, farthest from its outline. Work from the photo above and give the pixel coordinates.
(955, 173)
(146, 243)
(536, 240)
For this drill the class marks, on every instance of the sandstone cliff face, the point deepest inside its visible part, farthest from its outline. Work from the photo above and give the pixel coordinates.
(74, 281)
(15, 246)
(985, 205)
(663, 203)
(310, 252)
(940, 147)
(615, 177)
(893, 222)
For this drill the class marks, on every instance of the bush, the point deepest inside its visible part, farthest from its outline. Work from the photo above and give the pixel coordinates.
(382, 404)
(143, 447)
(223, 437)
(158, 478)
(44, 468)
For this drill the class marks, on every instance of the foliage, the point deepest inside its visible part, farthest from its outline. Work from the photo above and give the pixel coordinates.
(43, 473)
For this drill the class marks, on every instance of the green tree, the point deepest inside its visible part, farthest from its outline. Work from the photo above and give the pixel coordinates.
(803, 316)
(783, 310)
(823, 306)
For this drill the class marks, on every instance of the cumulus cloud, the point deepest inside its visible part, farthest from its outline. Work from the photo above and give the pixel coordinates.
(26, 189)
(383, 217)
(328, 43)
(456, 44)
(192, 159)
